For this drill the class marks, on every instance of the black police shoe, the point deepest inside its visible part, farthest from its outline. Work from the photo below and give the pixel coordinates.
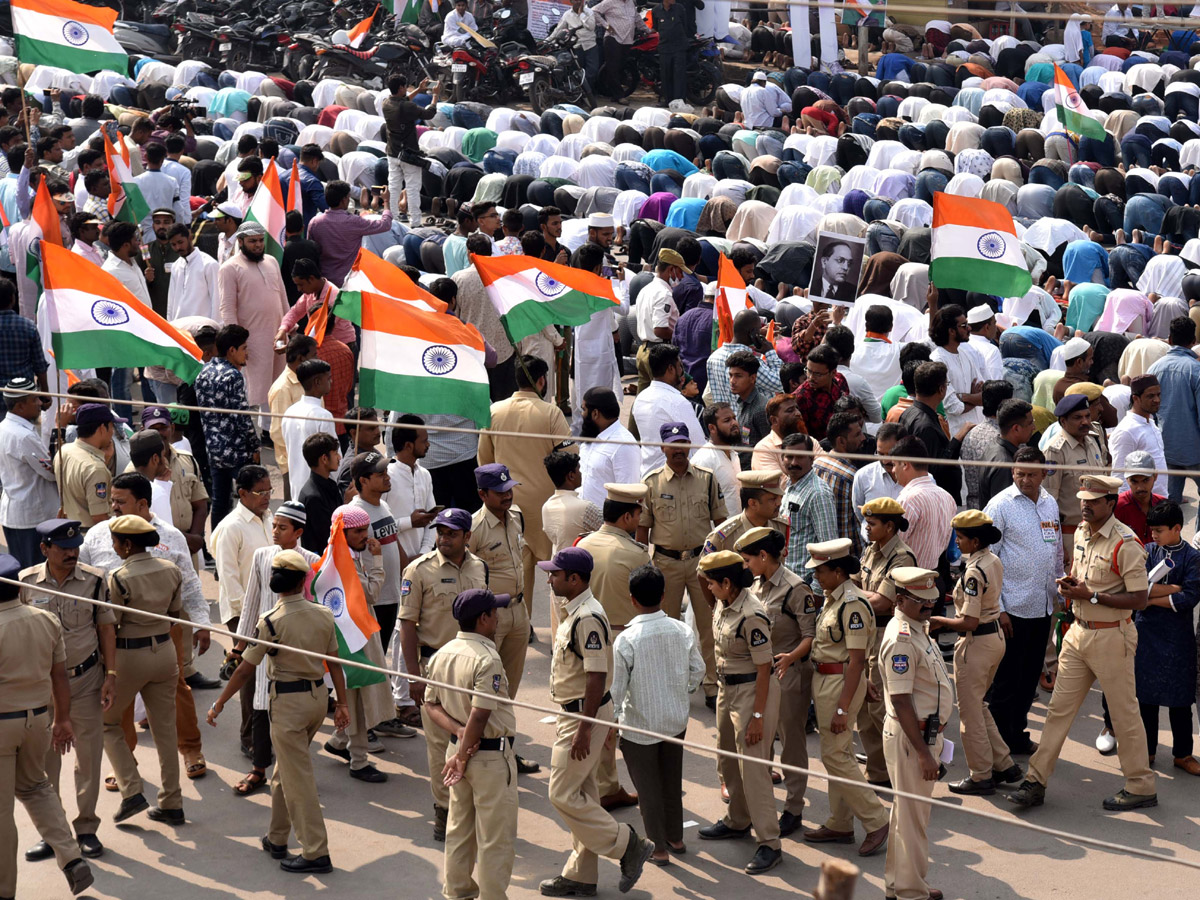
(764, 860)
(1030, 793)
(369, 774)
(1123, 800)
(789, 823)
(169, 816)
(565, 887)
(39, 851)
(340, 752)
(439, 822)
(90, 846)
(719, 831)
(633, 861)
(300, 866)
(131, 806)
(1011, 775)
(79, 875)
(277, 851)
(198, 681)
(969, 786)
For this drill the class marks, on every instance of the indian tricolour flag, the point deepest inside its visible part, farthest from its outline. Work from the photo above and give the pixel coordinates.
(421, 361)
(975, 248)
(408, 10)
(333, 582)
(371, 275)
(732, 297)
(68, 35)
(95, 322)
(267, 209)
(530, 293)
(1072, 113)
(359, 32)
(125, 200)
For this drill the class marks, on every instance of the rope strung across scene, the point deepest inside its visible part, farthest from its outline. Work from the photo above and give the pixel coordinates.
(690, 745)
(558, 438)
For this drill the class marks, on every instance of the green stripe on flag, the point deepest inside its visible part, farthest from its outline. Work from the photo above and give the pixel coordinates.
(348, 306)
(90, 350)
(571, 308)
(1080, 124)
(356, 677)
(418, 394)
(984, 276)
(134, 208)
(31, 50)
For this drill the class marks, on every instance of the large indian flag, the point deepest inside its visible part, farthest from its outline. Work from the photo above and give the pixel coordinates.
(68, 35)
(530, 293)
(371, 275)
(1072, 113)
(975, 248)
(125, 200)
(96, 322)
(267, 209)
(333, 582)
(421, 361)
(732, 297)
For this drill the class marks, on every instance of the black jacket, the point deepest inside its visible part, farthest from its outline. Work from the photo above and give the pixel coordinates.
(921, 421)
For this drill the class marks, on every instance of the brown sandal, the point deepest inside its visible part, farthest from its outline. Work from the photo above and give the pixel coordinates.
(196, 770)
(250, 783)
(110, 783)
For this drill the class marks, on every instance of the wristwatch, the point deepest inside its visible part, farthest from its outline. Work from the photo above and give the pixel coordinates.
(758, 715)
(1095, 598)
(840, 711)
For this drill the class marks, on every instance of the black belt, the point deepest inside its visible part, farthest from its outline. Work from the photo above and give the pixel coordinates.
(139, 643)
(745, 678)
(427, 652)
(85, 665)
(486, 743)
(296, 687)
(22, 713)
(988, 628)
(679, 554)
(577, 705)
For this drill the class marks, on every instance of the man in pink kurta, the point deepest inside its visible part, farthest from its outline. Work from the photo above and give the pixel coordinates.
(251, 294)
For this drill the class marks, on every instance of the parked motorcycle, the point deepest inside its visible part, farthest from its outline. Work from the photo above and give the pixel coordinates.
(480, 70)
(554, 74)
(642, 68)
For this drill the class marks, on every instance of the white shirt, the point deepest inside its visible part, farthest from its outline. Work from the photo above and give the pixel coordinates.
(871, 481)
(763, 104)
(30, 495)
(412, 490)
(90, 252)
(160, 499)
(183, 177)
(989, 353)
(877, 363)
(655, 308)
(452, 34)
(655, 406)
(585, 20)
(725, 465)
(1136, 432)
(193, 287)
(861, 388)
(613, 459)
(656, 664)
(963, 370)
(160, 191)
(130, 275)
(296, 430)
(226, 247)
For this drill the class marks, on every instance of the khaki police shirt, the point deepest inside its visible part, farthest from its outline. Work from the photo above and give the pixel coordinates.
(725, 535)
(614, 555)
(741, 635)
(498, 543)
(148, 584)
(84, 480)
(186, 487)
(427, 591)
(1110, 560)
(77, 617)
(680, 509)
(790, 606)
(845, 623)
(878, 561)
(471, 661)
(1063, 485)
(294, 622)
(978, 590)
(30, 644)
(910, 662)
(582, 644)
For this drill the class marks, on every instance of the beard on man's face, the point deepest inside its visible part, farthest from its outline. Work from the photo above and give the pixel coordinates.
(252, 255)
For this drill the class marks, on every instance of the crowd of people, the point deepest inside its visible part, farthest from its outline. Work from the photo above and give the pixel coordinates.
(838, 488)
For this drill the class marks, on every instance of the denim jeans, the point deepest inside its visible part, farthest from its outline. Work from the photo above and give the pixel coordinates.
(1176, 484)
(121, 387)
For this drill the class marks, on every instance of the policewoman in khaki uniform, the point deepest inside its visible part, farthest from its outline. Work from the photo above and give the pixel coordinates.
(89, 634)
(427, 592)
(146, 664)
(480, 765)
(581, 673)
(977, 654)
(299, 704)
(792, 609)
(845, 630)
(885, 522)
(916, 689)
(1107, 583)
(34, 655)
(747, 707)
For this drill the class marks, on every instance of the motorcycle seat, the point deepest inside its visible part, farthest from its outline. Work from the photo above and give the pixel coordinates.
(150, 28)
(361, 54)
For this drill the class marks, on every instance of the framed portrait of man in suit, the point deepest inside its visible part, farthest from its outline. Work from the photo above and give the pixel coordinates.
(837, 265)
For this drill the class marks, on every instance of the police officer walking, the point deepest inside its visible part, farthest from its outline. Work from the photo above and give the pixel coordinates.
(299, 704)
(1075, 444)
(89, 634)
(479, 767)
(919, 701)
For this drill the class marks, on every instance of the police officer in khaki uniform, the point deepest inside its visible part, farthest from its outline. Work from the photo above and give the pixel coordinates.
(581, 671)
(481, 770)
(89, 634)
(31, 646)
(845, 631)
(1107, 583)
(761, 495)
(299, 704)
(792, 609)
(683, 504)
(747, 708)
(146, 664)
(916, 689)
(80, 468)
(1073, 445)
(886, 550)
(427, 591)
(977, 654)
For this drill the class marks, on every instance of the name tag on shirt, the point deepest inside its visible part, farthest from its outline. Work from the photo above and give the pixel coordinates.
(1050, 532)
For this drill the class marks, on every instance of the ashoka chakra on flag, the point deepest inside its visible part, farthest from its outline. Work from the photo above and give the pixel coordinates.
(108, 313)
(439, 360)
(992, 245)
(549, 286)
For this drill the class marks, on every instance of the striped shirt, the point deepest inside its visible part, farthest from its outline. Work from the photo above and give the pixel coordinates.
(929, 510)
(812, 518)
(1030, 548)
(839, 477)
(656, 664)
(718, 373)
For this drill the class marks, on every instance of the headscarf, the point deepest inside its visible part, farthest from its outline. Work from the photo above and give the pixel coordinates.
(752, 220)
(1163, 276)
(878, 272)
(910, 284)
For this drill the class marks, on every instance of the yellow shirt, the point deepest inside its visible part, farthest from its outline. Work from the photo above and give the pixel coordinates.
(877, 562)
(145, 583)
(30, 644)
(294, 622)
(978, 590)
(614, 555)
(83, 479)
(741, 635)
(790, 606)
(499, 544)
(910, 662)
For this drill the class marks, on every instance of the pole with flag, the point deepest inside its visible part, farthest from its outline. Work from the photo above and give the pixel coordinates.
(731, 295)
(371, 275)
(44, 229)
(267, 209)
(295, 198)
(359, 32)
(1072, 113)
(125, 200)
(975, 248)
(68, 35)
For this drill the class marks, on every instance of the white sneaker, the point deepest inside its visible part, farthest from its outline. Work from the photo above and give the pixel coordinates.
(1106, 742)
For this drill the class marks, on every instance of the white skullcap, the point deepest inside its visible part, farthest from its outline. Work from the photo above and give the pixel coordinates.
(1075, 348)
(600, 220)
(980, 314)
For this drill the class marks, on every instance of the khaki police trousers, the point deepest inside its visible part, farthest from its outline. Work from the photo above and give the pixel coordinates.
(87, 721)
(436, 742)
(908, 841)
(795, 695)
(481, 827)
(24, 744)
(512, 643)
(153, 672)
(976, 660)
(574, 795)
(1104, 655)
(680, 574)
(870, 717)
(837, 755)
(751, 795)
(295, 720)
